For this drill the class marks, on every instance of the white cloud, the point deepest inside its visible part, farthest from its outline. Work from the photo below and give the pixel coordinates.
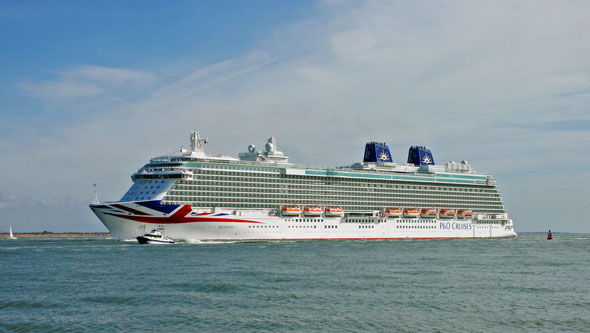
(61, 89)
(8, 200)
(110, 76)
(87, 81)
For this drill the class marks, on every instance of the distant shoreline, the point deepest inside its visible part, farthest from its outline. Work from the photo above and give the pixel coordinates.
(108, 234)
(57, 234)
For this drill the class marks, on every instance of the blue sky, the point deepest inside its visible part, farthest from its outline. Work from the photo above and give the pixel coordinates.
(90, 90)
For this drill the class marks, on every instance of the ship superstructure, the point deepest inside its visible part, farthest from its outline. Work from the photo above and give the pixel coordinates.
(262, 196)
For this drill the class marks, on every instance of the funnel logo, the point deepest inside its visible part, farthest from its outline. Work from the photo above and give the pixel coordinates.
(377, 153)
(426, 159)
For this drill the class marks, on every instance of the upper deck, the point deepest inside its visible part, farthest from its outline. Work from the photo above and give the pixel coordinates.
(429, 173)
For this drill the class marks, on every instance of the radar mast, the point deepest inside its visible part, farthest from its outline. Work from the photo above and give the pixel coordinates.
(196, 145)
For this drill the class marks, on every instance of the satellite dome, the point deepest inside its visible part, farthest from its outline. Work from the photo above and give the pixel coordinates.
(252, 148)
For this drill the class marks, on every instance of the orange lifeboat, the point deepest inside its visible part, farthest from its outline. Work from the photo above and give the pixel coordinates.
(290, 211)
(334, 211)
(428, 213)
(392, 212)
(411, 212)
(464, 214)
(312, 211)
(447, 213)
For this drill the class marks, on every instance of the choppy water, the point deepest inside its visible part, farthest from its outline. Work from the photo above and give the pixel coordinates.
(521, 284)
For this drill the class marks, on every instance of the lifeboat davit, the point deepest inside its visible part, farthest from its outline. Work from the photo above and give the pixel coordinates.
(411, 213)
(290, 211)
(447, 213)
(428, 213)
(464, 214)
(312, 211)
(392, 212)
(334, 211)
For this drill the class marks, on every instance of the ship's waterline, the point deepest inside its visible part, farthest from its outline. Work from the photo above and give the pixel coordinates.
(191, 195)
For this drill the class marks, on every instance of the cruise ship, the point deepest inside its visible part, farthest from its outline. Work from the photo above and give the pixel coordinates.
(194, 196)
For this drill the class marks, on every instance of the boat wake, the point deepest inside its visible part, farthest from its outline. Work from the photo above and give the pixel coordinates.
(197, 241)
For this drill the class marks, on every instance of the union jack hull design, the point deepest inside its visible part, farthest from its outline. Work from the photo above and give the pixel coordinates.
(127, 220)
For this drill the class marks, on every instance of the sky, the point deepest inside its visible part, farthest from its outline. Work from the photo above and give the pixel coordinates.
(90, 90)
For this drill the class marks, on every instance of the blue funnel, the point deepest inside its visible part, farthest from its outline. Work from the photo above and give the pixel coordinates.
(419, 155)
(377, 152)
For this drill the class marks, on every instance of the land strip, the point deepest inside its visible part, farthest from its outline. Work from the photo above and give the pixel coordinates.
(57, 234)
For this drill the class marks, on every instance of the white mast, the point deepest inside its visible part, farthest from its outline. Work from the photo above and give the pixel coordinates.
(196, 146)
(95, 200)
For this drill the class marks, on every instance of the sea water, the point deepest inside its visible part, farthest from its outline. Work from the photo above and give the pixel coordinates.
(522, 284)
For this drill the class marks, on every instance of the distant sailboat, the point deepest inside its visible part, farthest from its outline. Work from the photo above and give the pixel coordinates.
(11, 235)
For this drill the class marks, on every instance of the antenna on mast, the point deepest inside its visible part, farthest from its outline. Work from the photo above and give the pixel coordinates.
(197, 143)
(95, 200)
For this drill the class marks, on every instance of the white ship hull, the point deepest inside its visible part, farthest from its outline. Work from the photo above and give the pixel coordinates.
(127, 220)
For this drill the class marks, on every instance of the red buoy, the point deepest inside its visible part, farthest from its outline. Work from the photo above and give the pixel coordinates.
(549, 235)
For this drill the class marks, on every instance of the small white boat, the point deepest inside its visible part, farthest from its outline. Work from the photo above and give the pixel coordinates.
(334, 211)
(291, 211)
(154, 237)
(392, 212)
(447, 213)
(411, 213)
(11, 236)
(312, 211)
(428, 213)
(465, 214)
